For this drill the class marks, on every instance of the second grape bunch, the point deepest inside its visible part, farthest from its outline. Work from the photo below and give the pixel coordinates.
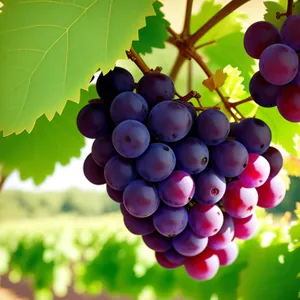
(187, 184)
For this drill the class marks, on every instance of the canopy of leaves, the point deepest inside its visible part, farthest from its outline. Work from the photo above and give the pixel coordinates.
(48, 52)
(36, 154)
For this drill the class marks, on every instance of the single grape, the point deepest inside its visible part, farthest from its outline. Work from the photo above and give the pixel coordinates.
(225, 235)
(119, 172)
(156, 87)
(290, 33)
(170, 121)
(210, 187)
(259, 36)
(93, 121)
(229, 158)
(233, 129)
(170, 221)
(278, 64)
(254, 134)
(275, 160)
(128, 105)
(238, 201)
(297, 78)
(113, 83)
(103, 150)
(191, 155)
(115, 195)
(206, 220)
(256, 173)
(190, 107)
(156, 163)
(137, 226)
(263, 92)
(288, 103)
(141, 198)
(212, 127)
(177, 190)
(188, 243)
(228, 255)
(203, 266)
(131, 138)
(271, 193)
(93, 172)
(245, 228)
(157, 242)
(164, 262)
(174, 257)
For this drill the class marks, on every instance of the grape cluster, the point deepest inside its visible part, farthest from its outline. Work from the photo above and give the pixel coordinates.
(188, 184)
(277, 83)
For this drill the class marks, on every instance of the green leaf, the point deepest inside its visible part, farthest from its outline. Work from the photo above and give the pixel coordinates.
(154, 34)
(283, 131)
(270, 16)
(50, 49)
(229, 50)
(228, 25)
(36, 154)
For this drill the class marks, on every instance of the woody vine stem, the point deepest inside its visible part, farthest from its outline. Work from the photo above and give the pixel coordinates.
(185, 43)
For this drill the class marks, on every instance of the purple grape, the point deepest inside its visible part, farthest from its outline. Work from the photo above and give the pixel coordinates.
(224, 236)
(156, 163)
(263, 92)
(206, 220)
(115, 195)
(170, 121)
(233, 129)
(228, 255)
(93, 172)
(93, 121)
(138, 226)
(245, 228)
(141, 198)
(128, 105)
(157, 242)
(191, 155)
(290, 33)
(275, 159)
(288, 103)
(103, 150)
(114, 83)
(238, 201)
(210, 187)
(177, 190)
(254, 134)
(259, 36)
(174, 257)
(163, 261)
(156, 87)
(188, 243)
(212, 127)
(119, 172)
(278, 64)
(296, 80)
(170, 221)
(229, 158)
(131, 138)
(190, 107)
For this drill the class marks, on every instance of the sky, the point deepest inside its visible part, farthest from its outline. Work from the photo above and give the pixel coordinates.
(72, 175)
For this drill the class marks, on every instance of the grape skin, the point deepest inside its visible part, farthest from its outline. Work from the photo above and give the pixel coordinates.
(275, 159)
(245, 228)
(93, 172)
(115, 195)
(164, 262)
(228, 255)
(174, 257)
(103, 150)
(290, 33)
(279, 64)
(131, 138)
(157, 242)
(259, 36)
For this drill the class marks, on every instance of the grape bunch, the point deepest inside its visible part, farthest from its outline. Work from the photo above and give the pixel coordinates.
(277, 83)
(187, 184)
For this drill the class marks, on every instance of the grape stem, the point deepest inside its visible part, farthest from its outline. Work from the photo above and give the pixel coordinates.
(237, 103)
(2, 180)
(288, 12)
(187, 19)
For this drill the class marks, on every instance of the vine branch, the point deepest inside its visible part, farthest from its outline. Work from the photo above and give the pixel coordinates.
(288, 12)
(187, 19)
(2, 180)
(219, 16)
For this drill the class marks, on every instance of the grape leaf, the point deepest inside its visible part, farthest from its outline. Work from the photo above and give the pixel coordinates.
(50, 49)
(215, 81)
(228, 25)
(283, 132)
(229, 50)
(36, 154)
(154, 34)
